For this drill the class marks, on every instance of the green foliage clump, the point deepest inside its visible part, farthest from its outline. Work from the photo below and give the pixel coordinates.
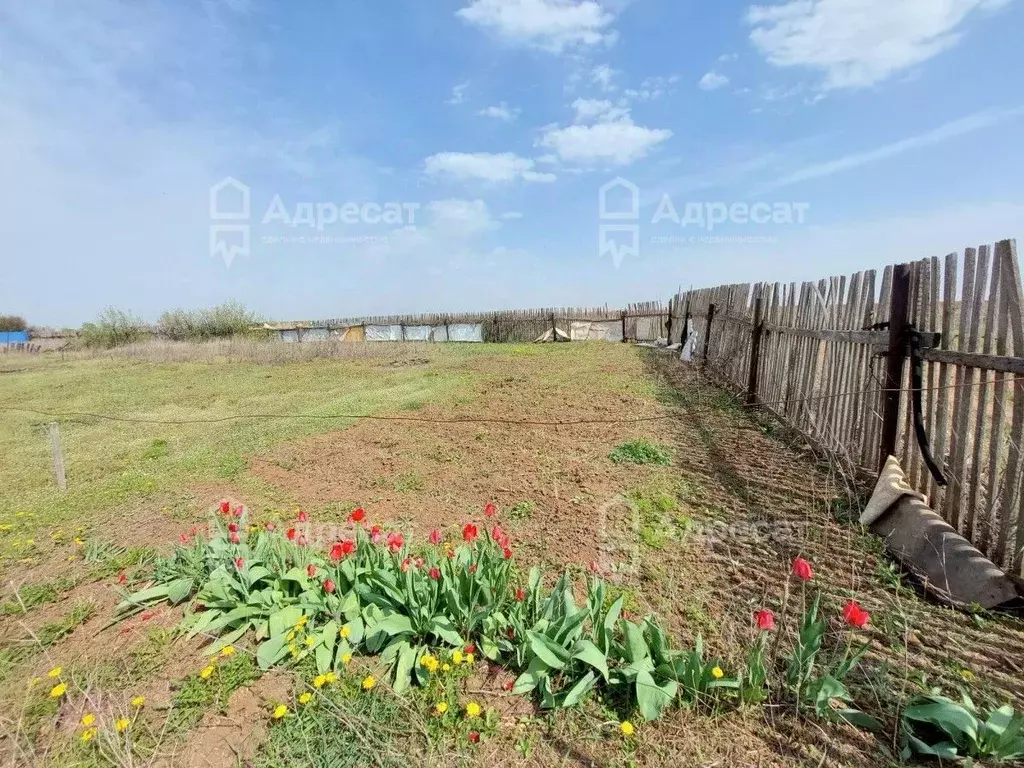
(13, 323)
(114, 328)
(936, 726)
(228, 319)
(640, 452)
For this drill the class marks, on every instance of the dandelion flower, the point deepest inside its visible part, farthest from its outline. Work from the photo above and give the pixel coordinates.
(441, 708)
(470, 658)
(207, 671)
(472, 709)
(717, 673)
(58, 690)
(305, 698)
(457, 657)
(967, 675)
(55, 672)
(330, 677)
(319, 681)
(280, 711)
(626, 727)
(291, 636)
(138, 701)
(122, 725)
(310, 642)
(346, 658)
(303, 620)
(88, 734)
(88, 720)
(227, 650)
(368, 682)
(446, 667)
(345, 631)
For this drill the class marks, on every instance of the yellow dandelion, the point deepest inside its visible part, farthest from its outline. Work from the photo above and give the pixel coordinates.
(291, 636)
(303, 621)
(79, 541)
(319, 681)
(470, 658)
(345, 631)
(58, 690)
(88, 720)
(330, 677)
(305, 698)
(122, 724)
(138, 701)
(472, 709)
(280, 711)
(626, 727)
(457, 657)
(446, 667)
(717, 673)
(55, 672)
(227, 650)
(207, 671)
(425, 660)
(369, 682)
(88, 734)
(346, 658)
(310, 642)
(441, 708)
(967, 675)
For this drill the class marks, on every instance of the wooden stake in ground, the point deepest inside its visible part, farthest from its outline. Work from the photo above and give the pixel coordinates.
(58, 456)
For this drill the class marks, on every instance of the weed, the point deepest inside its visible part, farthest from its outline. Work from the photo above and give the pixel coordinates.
(521, 510)
(31, 595)
(640, 452)
(197, 694)
(157, 449)
(408, 481)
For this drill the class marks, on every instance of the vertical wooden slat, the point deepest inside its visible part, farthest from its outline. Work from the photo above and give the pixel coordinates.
(944, 393)
(972, 435)
(961, 398)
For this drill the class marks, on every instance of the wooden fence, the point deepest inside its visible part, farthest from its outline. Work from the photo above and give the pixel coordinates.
(831, 358)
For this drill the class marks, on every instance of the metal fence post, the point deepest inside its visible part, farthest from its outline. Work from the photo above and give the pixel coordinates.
(755, 352)
(707, 333)
(899, 317)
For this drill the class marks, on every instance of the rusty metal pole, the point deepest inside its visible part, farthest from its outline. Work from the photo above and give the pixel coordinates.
(899, 317)
(755, 352)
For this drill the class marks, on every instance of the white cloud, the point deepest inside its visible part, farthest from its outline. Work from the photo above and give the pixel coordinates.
(858, 43)
(484, 166)
(553, 25)
(458, 94)
(712, 80)
(598, 109)
(602, 76)
(511, 215)
(500, 112)
(727, 57)
(462, 218)
(951, 130)
(617, 142)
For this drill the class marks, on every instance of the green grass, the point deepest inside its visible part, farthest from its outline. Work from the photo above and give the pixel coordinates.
(522, 510)
(640, 452)
(197, 695)
(28, 596)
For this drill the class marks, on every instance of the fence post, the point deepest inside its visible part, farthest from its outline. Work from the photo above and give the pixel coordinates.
(623, 327)
(899, 317)
(707, 334)
(755, 352)
(58, 456)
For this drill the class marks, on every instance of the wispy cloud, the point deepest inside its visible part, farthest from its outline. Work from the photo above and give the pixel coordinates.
(943, 133)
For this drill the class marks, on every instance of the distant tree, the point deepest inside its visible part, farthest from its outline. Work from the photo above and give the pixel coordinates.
(227, 319)
(114, 327)
(13, 323)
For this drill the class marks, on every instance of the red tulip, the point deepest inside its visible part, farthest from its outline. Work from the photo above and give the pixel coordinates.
(290, 533)
(225, 507)
(270, 527)
(183, 538)
(234, 538)
(508, 685)
(375, 534)
(594, 567)
(357, 516)
(802, 569)
(302, 540)
(490, 509)
(472, 568)
(311, 570)
(470, 648)
(469, 533)
(520, 594)
(507, 553)
(239, 563)
(511, 633)
(328, 586)
(405, 565)
(855, 615)
(498, 535)
(121, 578)
(435, 536)
(474, 737)
(435, 574)
(765, 619)
(239, 511)
(233, 527)
(192, 532)
(395, 541)
(302, 516)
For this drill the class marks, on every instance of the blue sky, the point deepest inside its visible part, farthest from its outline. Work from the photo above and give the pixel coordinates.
(895, 126)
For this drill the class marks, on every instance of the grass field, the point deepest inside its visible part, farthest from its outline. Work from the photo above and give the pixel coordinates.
(721, 507)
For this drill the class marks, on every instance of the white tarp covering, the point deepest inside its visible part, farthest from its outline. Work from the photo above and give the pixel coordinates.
(316, 334)
(439, 333)
(383, 333)
(586, 330)
(417, 333)
(466, 332)
(289, 336)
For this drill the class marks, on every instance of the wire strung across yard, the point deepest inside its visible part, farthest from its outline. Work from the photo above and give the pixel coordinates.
(462, 420)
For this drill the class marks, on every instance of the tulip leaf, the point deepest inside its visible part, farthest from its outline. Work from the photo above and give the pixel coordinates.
(272, 651)
(577, 692)
(590, 654)
(547, 650)
(651, 697)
